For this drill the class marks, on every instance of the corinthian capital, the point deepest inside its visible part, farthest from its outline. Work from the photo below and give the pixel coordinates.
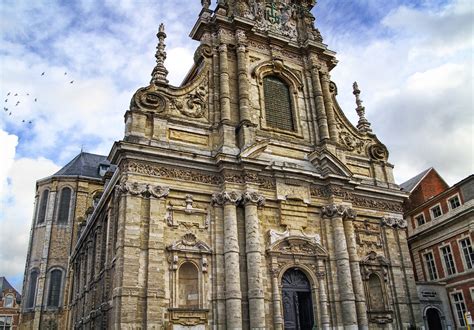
(333, 210)
(254, 198)
(226, 197)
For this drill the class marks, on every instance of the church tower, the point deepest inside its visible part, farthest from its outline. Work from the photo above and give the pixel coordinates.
(244, 198)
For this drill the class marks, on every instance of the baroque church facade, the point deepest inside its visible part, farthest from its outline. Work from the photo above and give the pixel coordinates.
(243, 199)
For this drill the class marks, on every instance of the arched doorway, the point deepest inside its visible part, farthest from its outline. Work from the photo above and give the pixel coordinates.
(433, 319)
(297, 302)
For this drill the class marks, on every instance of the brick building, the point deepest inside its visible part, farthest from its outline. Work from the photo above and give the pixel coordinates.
(10, 301)
(62, 203)
(441, 237)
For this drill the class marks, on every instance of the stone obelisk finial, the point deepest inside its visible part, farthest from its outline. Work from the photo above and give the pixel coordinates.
(159, 72)
(363, 125)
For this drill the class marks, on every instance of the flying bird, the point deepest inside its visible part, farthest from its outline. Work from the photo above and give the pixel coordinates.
(8, 94)
(16, 94)
(4, 108)
(6, 100)
(43, 73)
(23, 121)
(30, 122)
(36, 99)
(28, 94)
(71, 81)
(17, 103)
(10, 114)
(65, 73)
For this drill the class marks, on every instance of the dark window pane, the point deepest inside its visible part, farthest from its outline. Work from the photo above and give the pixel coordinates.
(32, 289)
(64, 201)
(278, 110)
(55, 278)
(42, 208)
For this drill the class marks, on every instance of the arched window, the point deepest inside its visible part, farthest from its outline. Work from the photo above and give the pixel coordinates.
(8, 301)
(375, 293)
(54, 291)
(32, 289)
(278, 107)
(42, 206)
(64, 202)
(188, 286)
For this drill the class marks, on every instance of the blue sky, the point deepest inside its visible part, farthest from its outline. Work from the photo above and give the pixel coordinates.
(412, 59)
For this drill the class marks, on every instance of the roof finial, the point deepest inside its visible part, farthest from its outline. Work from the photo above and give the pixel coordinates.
(363, 125)
(159, 72)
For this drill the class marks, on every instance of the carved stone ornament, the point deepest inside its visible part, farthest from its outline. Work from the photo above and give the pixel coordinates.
(188, 215)
(374, 263)
(145, 190)
(225, 197)
(333, 210)
(190, 243)
(193, 105)
(203, 51)
(150, 101)
(378, 152)
(297, 246)
(394, 222)
(351, 142)
(356, 200)
(254, 198)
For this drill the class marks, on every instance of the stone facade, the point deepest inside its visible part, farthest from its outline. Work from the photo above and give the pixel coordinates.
(57, 220)
(229, 210)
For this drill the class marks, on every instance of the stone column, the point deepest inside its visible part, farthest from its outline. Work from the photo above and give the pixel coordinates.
(323, 297)
(359, 293)
(224, 83)
(233, 292)
(251, 201)
(243, 79)
(318, 95)
(346, 292)
(325, 80)
(277, 308)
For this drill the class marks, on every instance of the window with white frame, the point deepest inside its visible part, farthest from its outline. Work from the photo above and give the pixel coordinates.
(454, 202)
(6, 322)
(467, 252)
(8, 301)
(459, 307)
(431, 266)
(420, 219)
(436, 211)
(449, 265)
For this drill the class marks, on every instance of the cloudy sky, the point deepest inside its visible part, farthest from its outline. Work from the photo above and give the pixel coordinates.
(412, 60)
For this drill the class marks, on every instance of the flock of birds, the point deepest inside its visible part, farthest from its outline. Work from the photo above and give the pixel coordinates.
(11, 98)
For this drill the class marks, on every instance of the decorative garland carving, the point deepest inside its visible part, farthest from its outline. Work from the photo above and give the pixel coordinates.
(223, 198)
(333, 210)
(356, 200)
(145, 190)
(254, 198)
(351, 143)
(394, 222)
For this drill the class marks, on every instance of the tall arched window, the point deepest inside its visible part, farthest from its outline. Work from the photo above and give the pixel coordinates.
(32, 289)
(54, 291)
(42, 206)
(278, 107)
(375, 293)
(64, 202)
(188, 285)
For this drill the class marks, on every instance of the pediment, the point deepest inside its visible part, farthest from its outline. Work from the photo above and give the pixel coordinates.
(297, 245)
(189, 243)
(328, 164)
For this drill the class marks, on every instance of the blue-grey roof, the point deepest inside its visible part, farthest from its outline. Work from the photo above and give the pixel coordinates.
(411, 184)
(4, 285)
(84, 164)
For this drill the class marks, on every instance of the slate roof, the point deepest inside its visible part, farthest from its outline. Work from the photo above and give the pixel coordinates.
(5, 285)
(84, 164)
(411, 184)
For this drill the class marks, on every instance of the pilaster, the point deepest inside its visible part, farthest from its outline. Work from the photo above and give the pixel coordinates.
(318, 95)
(328, 105)
(336, 214)
(252, 201)
(233, 293)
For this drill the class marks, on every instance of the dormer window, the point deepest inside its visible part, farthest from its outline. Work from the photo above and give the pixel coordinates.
(278, 105)
(454, 202)
(103, 168)
(9, 301)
